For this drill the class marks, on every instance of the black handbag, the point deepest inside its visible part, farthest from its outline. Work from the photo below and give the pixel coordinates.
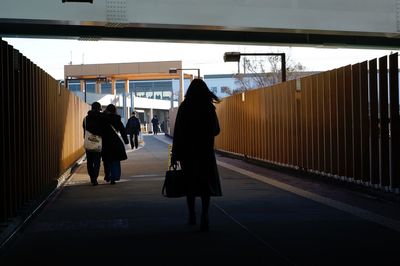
(174, 183)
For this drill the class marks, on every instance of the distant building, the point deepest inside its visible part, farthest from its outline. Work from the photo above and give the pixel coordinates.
(145, 87)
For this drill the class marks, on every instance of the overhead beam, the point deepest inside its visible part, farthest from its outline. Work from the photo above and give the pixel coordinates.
(338, 23)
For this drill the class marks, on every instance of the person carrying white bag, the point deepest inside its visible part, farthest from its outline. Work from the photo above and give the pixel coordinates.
(93, 126)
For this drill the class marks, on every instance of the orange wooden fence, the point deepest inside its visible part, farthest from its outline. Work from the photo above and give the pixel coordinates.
(341, 123)
(41, 129)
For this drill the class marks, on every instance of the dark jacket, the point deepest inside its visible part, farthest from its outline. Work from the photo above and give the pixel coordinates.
(196, 126)
(113, 148)
(94, 123)
(133, 126)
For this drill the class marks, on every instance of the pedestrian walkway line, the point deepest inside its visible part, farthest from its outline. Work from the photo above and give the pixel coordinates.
(361, 213)
(356, 211)
(265, 243)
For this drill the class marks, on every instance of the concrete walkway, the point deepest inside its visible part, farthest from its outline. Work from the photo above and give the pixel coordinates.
(264, 218)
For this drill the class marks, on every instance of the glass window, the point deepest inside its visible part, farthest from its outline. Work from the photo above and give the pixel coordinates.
(141, 94)
(90, 87)
(149, 94)
(158, 95)
(166, 95)
(74, 86)
(106, 88)
(120, 87)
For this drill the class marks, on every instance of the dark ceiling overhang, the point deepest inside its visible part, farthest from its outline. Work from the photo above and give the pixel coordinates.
(43, 29)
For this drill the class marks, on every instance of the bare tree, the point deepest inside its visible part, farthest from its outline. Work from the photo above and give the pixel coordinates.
(265, 71)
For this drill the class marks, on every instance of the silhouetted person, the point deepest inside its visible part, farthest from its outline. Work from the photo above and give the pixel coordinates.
(196, 126)
(154, 121)
(94, 123)
(113, 148)
(133, 129)
(162, 126)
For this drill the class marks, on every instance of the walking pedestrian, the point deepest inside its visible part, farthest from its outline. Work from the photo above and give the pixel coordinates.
(154, 121)
(113, 148)
(193, 147)
(133, 129)
(94, 123)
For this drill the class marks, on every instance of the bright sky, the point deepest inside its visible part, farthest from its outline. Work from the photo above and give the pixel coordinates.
(52, 54)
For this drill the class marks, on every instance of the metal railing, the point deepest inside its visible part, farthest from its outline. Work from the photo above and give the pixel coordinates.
(41, 129)
(325, 123)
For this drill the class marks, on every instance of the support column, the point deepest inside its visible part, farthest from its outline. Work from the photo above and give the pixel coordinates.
(98, 87)
(82, 86)
(132, 102)
(151, 117)
(124, 108)
(113, 87)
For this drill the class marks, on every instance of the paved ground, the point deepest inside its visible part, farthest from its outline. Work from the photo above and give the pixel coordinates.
(264, 218)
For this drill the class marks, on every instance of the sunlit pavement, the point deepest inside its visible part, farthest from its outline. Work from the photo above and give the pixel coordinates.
(264, 218)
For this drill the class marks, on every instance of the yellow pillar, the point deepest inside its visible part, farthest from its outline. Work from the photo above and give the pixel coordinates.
(113, 87)
(98, 88)
(127, 86)
(82, 85)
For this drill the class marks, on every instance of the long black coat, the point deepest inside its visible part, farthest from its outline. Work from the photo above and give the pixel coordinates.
(133, 126)
(113, 148)
(196, 126)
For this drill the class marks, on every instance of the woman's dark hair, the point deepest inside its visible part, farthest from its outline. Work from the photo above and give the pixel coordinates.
(96, 106)
(111, 109)
(198, 91)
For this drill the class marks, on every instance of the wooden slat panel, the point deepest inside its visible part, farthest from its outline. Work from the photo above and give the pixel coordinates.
(274, 128)
(19, 175)
(284, 110)
(298, 117)
(33, 132)
(278, 100)
(334, 121)
(291, 135)
(364, 122)
(268, 108)
(394, 120)
(357, 152)
(327, 124)
(321, 123)
(309, 124)
(314, 123)
(259, 122)
(304, 125)
(12, 138)
(384, 121)
(262, 126)
(341, 122)
(348, 103)
(3, 157)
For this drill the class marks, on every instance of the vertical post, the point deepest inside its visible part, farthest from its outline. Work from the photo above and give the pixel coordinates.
(181, 87)
(283, 67)
(374, 121)
(124, 113)
(132, 102)
(384, 122)
(151, 117)
(85, 89)
(113, 90)
(394, 120)
(98, 87)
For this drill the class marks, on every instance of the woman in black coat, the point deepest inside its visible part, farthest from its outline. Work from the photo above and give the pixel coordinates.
(113, 151)
(196, 126)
